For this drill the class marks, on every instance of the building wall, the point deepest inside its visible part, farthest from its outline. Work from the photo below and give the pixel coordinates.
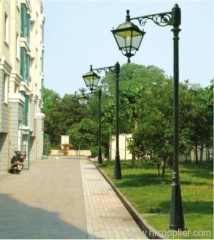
(4, 154)
(83, 153)
(21, 63)
(37, 78)
(3, 104)
(123, 144)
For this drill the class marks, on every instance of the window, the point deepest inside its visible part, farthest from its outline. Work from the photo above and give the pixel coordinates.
(24, 20)
(5, 89)
(42, 88)
(28, 28)
(25, 65)
(6, 28)
(42, 61)
(42, 33)
(26, 110)
(22, 65)
(25, 23)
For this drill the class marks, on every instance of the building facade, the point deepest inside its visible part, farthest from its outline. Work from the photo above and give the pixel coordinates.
(21, 79)
(124, 140)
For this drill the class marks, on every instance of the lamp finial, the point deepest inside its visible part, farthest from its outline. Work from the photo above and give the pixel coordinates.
(127, 16)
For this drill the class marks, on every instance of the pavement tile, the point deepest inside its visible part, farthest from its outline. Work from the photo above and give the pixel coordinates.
(62, 199)
(109, 217)
(43, 202)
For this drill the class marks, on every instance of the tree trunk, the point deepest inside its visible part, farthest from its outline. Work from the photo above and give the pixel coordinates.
(208, 154)
(201, 153)
(171, 162)
(133, 159)
(108, 152)
(163, 167)
(196, 153)
(158, 166)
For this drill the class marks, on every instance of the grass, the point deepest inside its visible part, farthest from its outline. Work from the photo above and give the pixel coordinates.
(150, 195)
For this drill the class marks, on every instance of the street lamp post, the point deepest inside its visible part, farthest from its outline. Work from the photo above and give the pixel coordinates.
(93, 75)
(117, 167)
(91, 81)
(82, 97)
(128, 37)
(100, 160)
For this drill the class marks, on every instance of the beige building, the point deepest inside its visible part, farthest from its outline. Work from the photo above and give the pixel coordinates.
(124, 140)
(21, 79)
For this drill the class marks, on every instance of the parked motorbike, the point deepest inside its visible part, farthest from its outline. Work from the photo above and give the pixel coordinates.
(17, 162)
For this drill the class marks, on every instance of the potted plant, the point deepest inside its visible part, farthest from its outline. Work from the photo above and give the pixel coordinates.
(66, 147)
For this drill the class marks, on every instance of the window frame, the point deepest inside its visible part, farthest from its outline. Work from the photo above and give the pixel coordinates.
(6, 28)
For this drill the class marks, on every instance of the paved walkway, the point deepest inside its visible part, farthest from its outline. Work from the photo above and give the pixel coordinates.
(62, 199)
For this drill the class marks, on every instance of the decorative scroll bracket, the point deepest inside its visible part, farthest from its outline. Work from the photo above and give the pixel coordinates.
(161, 19)
(105, 69)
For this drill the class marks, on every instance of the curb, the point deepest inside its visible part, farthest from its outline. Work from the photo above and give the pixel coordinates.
(148, 230)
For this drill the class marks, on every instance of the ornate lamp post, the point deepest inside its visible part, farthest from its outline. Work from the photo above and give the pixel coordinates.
(83, 100)
(91, 81)
(93, 75)
(128, 37)
(82, 97)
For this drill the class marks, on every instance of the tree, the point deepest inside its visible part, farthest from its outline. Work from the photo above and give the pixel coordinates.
(146, 111)
(51, 105)
(197, 117)
(71, 113)
(154, 132)
(134, 79)
(60, 114)
(83, 135)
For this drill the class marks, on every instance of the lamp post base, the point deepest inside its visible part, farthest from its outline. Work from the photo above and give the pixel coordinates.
(100, 160)
(117, 168)
(176, 211)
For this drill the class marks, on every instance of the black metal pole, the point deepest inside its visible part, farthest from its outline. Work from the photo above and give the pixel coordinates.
(176, 210)
(100, 161)
(117, 168)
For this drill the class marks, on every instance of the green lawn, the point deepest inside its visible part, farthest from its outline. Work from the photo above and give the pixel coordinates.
(150, 195)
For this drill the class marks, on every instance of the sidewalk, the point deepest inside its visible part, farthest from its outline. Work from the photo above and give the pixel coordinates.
(62, 199)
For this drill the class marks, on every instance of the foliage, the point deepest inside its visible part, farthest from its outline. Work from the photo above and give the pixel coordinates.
(83, 135)
(146, 111)
(60, 114)
(51, 106)
(150, 195)
(196, 117)
(66, 145)
(95, 150)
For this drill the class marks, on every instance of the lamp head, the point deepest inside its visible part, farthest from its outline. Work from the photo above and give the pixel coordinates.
(83, 100)
(91, 79)
(128, 37)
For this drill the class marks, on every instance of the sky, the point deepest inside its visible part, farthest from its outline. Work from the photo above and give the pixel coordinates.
(78, 34)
